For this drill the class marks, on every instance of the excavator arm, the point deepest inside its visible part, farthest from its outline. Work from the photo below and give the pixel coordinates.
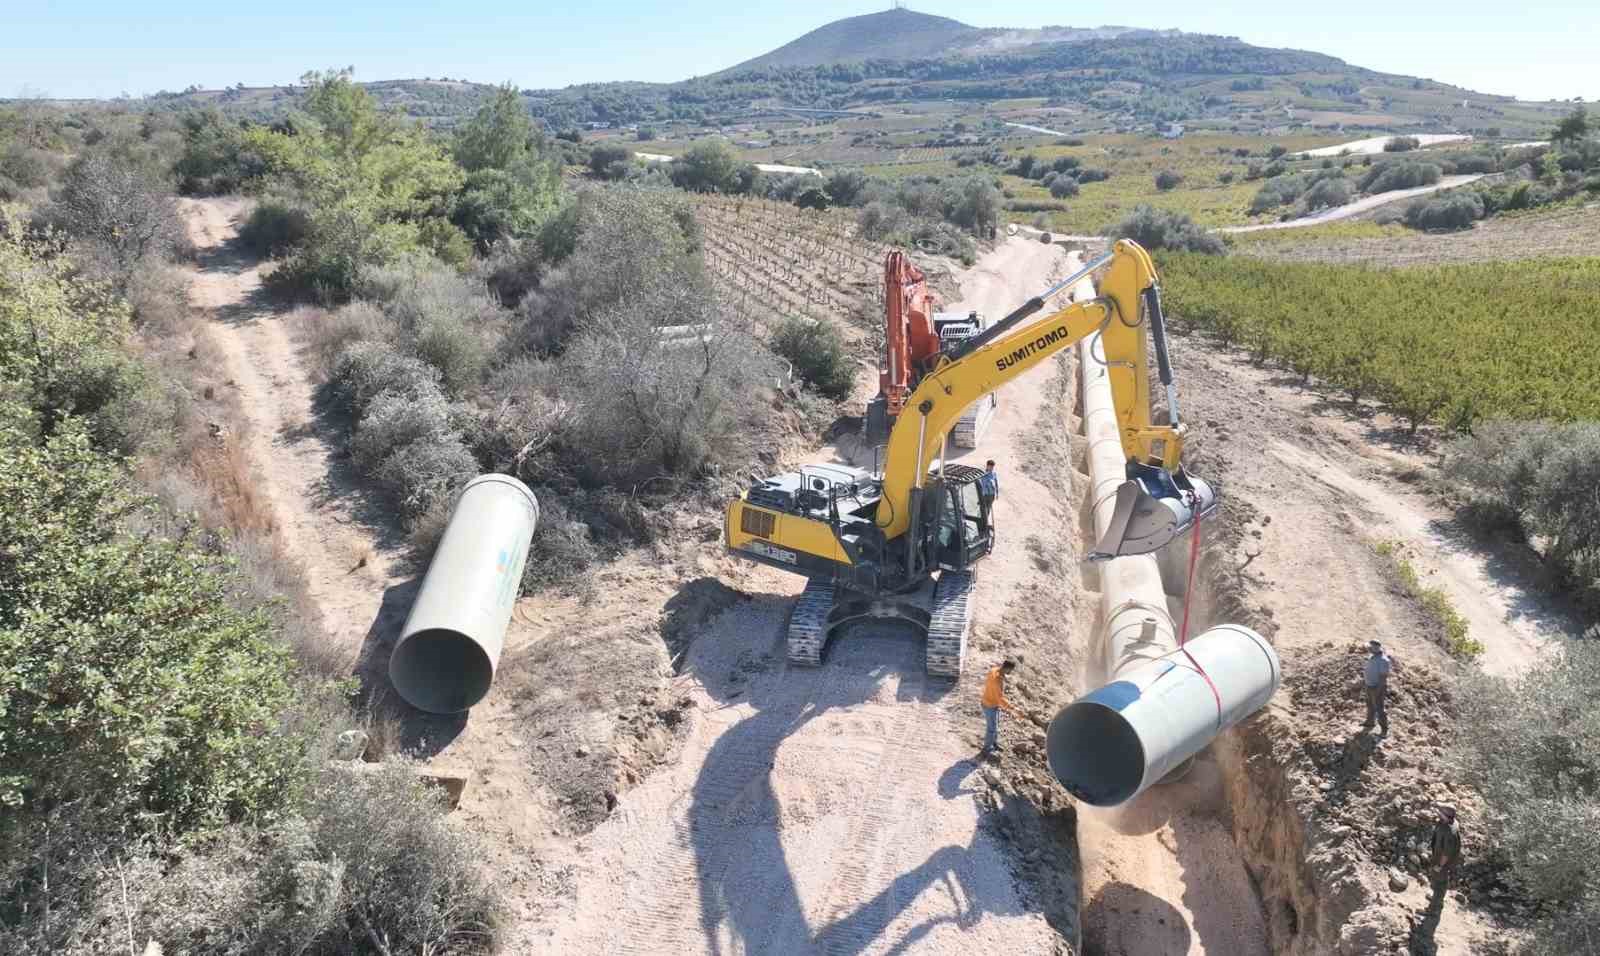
(1159, 501)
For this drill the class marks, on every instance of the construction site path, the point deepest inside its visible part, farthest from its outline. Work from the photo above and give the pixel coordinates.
(821, 811)
(316, 511)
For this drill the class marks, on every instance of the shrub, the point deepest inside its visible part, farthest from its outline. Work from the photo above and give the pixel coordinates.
(1406, 174)
(122, 643)
(445, 241)
(1457, 210)
(1529, 745)
(420, 475)
(119, 210)
(394, 419)
(1091, 175)
(610, 162)
(878, 221)
(1163, 229)
(708, 166)
(1402, 144)
(274, 227)
(1325, 193)
(1036, 205)
(1168, 179)
(1064, 187)
(24, 166)
(1275, 151)
(816, 350)
(367, 368)
(847, 187)
(1225, 177)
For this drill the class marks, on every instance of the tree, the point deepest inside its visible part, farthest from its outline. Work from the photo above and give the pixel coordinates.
(500, 134)
(609, 161)
(707, 167)
(816, 349)
(847, 187)
(973, 204)
(1572, 128)
(118, 210)
(1162, 229)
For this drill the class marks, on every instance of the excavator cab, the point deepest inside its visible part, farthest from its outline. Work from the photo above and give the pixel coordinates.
(963, 526)
(1154, 508)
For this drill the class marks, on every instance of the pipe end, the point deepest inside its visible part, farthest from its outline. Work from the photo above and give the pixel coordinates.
(440, 671)
(1094, 751)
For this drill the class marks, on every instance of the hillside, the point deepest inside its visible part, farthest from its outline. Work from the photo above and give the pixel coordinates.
(888, 35)
(1105, 79)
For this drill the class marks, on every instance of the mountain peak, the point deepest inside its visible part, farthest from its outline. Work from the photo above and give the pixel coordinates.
(895, 34)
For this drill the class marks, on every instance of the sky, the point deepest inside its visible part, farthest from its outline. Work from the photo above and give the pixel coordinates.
(1537, 49)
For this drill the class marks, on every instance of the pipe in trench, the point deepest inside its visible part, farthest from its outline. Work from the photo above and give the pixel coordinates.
(450, 646)
(1162, 704)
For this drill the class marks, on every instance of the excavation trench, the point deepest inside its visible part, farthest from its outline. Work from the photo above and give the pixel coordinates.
(1215, 859)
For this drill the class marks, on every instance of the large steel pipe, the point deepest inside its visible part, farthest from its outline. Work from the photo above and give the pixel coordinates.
(1112, 745)
(450, 646)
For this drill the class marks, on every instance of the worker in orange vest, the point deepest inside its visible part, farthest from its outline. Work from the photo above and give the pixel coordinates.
(993, 701)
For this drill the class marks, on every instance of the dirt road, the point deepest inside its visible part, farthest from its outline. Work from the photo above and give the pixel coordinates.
(317, 512)
(817, 811)
(1358, 207)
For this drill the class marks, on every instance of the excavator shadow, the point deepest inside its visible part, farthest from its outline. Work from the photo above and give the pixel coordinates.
(795, 819)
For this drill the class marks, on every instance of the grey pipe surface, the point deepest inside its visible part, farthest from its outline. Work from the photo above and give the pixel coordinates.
(1110, 746)
(449, 649)
(1158, 708)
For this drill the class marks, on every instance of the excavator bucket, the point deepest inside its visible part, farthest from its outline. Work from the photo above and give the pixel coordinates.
(1153, 508)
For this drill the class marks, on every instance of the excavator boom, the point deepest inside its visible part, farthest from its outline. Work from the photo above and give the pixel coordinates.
(1125, 313)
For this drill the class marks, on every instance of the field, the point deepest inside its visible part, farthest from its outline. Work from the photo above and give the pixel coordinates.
(1449, 344)
(1567, 230)
(793, 261)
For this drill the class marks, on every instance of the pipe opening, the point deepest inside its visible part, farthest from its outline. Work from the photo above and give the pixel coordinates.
(440, 671)
(1095, 753)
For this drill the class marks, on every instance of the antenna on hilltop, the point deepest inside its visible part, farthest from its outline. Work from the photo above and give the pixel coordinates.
(897, 4)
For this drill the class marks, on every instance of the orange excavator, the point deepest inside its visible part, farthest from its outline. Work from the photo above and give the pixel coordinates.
(914, 337)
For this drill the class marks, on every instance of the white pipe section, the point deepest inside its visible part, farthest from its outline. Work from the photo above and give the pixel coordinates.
(450, 645)
(1162, 704)
(1133, 603)
(1112, 745)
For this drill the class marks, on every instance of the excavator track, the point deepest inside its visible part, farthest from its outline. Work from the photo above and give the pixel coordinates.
(808, 623)
(949, 623)
(974, 422)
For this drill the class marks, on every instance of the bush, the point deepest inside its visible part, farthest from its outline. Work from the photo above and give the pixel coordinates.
(973, 204)
(1167, 180)
(1162, 229)
(847, 187)
(122, 642)
(1329, 192)
(1276, 151)
(420, 475)
(1544, 474)
(1384, 177)
(1064, 187)
(1402, 144)
(395, 419)
(367, 368)
(1090, 175)
(1531, 746)
(274, 227)
(708, 167)
(1457, 210)
(610, 162)
(816, 350)
(119, 211)
(1035, 205)
(1225, 177)
(878, 221)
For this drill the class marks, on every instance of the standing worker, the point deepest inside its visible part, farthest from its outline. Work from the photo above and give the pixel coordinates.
(989, 482)
(1375, 677)
(1446, 848)
(993, 701)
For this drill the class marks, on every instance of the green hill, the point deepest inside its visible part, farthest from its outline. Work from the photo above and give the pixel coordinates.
(889, 35)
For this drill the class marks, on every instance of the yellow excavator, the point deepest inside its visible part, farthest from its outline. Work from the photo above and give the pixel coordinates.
(901, 544)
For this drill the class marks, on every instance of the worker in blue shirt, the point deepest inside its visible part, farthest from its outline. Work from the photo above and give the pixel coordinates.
(989, 482)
